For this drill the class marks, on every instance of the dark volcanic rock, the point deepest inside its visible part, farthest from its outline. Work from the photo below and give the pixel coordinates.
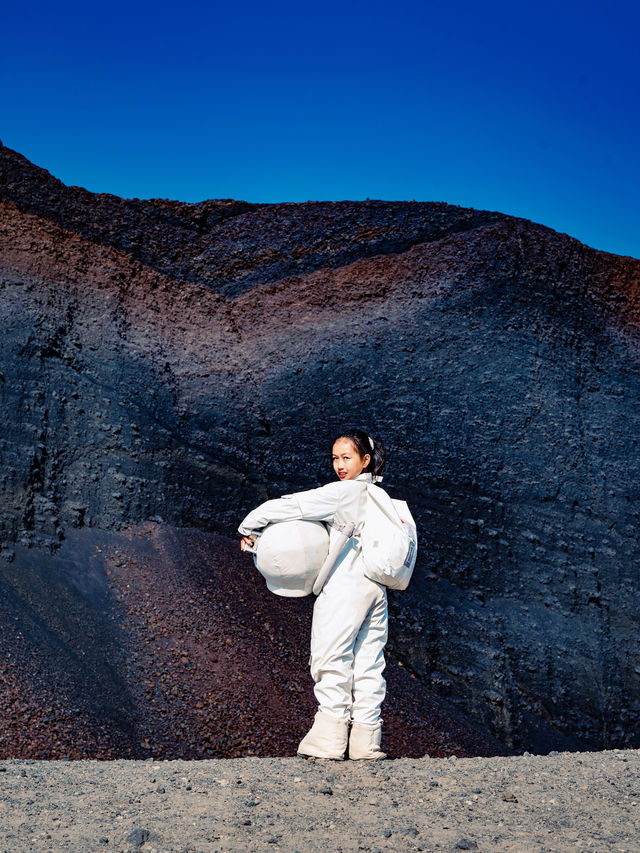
(183, 362)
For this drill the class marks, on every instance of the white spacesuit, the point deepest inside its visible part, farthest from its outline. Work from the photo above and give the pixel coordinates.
(349, 629)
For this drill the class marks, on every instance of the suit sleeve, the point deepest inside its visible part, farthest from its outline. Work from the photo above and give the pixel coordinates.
(314, 505)
(279, 509)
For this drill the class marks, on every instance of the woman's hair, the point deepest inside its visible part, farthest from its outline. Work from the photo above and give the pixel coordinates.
(364, 444)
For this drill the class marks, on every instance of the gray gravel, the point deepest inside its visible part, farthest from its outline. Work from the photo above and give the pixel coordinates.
(565, 802)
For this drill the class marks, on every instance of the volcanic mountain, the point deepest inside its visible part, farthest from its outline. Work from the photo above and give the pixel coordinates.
(165, 366)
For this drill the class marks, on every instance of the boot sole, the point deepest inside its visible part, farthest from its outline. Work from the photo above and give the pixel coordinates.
(322, 757)
(368, 757)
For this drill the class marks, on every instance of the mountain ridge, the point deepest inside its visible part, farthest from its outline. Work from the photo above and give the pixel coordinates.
(497, 359)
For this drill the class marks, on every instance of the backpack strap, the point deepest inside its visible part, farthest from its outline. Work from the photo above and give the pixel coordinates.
(345, 532)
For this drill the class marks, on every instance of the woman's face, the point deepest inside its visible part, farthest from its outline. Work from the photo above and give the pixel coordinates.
(347, 462)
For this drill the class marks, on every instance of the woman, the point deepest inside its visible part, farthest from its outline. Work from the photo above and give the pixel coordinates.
(349, 628)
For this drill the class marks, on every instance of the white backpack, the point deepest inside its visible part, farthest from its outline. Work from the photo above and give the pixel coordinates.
(389, 540)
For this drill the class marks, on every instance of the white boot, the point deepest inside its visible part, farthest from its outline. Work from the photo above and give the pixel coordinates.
(327, 738)
(364, 741)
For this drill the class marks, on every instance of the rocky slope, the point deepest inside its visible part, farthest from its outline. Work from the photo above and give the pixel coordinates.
(165, 642)
(179, 363)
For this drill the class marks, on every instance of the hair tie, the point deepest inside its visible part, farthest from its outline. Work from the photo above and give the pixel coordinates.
(373, 447)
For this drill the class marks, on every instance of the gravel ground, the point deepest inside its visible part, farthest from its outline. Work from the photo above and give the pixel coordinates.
(565, 802)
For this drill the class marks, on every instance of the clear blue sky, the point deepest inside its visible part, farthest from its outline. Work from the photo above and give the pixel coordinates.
(531, 108)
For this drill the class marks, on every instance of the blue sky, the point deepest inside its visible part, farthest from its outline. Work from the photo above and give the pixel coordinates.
(530, 109)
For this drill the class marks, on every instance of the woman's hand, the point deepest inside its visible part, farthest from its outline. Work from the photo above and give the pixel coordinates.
(247, 542)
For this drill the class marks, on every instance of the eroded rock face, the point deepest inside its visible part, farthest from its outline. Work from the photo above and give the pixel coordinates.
(183, 362)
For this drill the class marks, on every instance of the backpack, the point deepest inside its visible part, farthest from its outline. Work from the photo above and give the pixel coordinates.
(389, 540)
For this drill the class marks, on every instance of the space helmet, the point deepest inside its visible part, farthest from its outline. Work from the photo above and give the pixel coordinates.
(289, 555)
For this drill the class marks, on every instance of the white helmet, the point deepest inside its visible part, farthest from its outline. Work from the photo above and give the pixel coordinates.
(289, 555)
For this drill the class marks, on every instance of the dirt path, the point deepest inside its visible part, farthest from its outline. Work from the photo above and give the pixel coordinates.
(564, 803)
